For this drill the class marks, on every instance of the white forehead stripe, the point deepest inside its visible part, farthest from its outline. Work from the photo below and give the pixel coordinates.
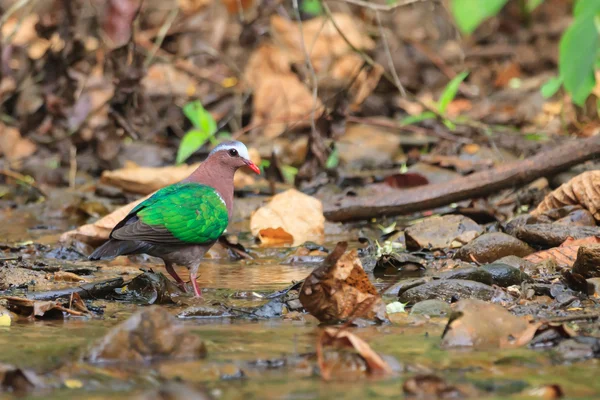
(239, 146)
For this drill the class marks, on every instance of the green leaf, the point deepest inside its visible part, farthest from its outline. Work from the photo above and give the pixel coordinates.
(333, 160)
(532, 4)
(550, 88)
(191, 142)
(469, 14)
(313, 7)
(289, 173)
(199, 117)
(536, 137)
(578, 50)
(450, 91)
(586, 8)
(415, 119)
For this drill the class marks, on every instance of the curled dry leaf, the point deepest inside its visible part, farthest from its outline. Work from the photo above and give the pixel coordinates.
(584, 189)
(430, 387)
(340, 289)
(565, 254)
(290, 217)
(478, 324)
(342, 338)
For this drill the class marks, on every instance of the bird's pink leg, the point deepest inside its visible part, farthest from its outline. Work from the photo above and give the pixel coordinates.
(193, 277)
(172, 272)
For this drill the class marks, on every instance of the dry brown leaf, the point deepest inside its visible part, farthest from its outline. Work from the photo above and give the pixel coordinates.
(144, 180)
(478, 324)
(275, 237)
(21, 31)
(342, 338)
(322, 40)
(77, 303)
(13, 146)
(297, 214)
(163, 79)
(340, 289)
(584, 190)
(281, 101)
(99, 231)
(565, 254)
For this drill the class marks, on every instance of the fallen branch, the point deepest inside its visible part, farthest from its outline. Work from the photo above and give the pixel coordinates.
(478, 184)
(88, 291)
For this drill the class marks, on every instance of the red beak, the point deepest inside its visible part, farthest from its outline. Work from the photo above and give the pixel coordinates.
(252, 166)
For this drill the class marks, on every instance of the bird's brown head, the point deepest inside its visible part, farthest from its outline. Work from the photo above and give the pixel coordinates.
(232, 154)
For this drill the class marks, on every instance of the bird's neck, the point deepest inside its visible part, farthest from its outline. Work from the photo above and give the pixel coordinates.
(217, 177)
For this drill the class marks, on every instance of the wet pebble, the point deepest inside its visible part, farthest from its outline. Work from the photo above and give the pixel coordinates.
(432, 308)
(506, 275)
(489, 247)
(447, 290)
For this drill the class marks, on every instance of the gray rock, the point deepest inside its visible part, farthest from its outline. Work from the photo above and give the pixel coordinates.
(552, 235)
(489, 247)
(447, 290)
(440, 232)
(433, 308)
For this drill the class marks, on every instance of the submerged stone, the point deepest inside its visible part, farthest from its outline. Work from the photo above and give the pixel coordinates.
(433, 308)
(447, 290)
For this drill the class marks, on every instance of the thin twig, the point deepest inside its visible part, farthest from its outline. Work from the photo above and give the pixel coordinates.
(22, 179)
(310, 67)
(162, 33)
(389, 55)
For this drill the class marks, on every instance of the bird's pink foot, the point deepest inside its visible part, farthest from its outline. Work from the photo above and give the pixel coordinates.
(197, 291)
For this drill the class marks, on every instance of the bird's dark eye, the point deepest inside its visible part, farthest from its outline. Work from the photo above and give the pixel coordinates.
(233, 152)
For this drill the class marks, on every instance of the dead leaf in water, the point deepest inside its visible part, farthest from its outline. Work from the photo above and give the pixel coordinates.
(584, 190)
(38, 308)
(289, 215)
(342, 338)
(477, 324)
(340, 289)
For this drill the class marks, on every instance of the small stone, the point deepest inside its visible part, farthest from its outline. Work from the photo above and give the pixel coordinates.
(433, 308)
(595, 283)
(551, 235)
(440, 232)
(587, 263)
(489, 247)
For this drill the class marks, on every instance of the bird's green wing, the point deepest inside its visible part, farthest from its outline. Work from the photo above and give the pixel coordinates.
(184, 213)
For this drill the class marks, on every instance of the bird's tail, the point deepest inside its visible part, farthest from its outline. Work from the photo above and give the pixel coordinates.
(114, 248)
